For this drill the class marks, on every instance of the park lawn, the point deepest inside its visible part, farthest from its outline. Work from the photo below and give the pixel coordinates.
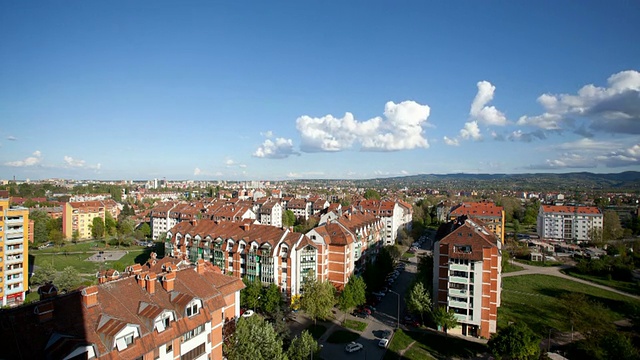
(539, 263)
(354, 325)
(631, 287)
(535, 300)
(427, 345)
(507, 268)
(79, 261)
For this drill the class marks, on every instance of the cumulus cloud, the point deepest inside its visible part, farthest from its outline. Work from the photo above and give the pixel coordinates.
(451, 142)
(588, 153)
(71, 162)
(197, 171)
(267, 134)
(613, 109)
(11, 138)
(278, 149)
(519, 135)
(29, 161)
(229, 162)
(480, 112)
(471, 131)
(400, 129)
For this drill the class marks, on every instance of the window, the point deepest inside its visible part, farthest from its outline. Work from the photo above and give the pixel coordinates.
(169, 347)
(195, 353)
(123, 342)
(192, 309)
(193, 333)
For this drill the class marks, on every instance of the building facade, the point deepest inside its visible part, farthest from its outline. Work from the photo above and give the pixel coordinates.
(395, 214)
(244, 249)
(14, 252)
(467, 276)
(164, 310)
(570, 223)
(78, 216)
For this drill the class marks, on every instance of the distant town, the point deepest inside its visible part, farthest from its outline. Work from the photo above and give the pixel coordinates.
(438, 265)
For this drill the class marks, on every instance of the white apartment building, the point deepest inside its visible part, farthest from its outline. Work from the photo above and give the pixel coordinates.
(569, 223)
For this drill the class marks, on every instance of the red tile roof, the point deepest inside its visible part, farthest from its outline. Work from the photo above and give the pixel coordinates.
(570, 209)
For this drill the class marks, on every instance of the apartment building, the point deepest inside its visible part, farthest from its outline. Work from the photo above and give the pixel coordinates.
(570, 223)
(395, 213)
(78, 216)
(347, 243)
(270, 213)
(300, 207)
(245, 249)
(162, 310)
(166, 215)
(486, 211)
(467, 275)
(14, 252)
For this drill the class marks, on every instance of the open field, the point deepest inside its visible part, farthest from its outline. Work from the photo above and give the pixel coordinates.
(431, 345)
(626, 286)
(536, 300)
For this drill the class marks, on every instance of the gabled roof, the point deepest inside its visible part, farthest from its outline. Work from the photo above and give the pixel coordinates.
(467, 233)
(478, 209)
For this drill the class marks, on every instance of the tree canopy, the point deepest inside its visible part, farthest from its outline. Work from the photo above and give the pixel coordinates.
(43, 274)
(317, 299)
(288, 218)
(67, 280)
(255, 339)
(250, 295)
(97, 228)
(419, 300)
(353, 294)
(515, 341)
(445, 319)
(302, 346)
(371, 194)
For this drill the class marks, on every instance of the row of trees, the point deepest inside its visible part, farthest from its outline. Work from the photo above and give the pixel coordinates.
(66, 280)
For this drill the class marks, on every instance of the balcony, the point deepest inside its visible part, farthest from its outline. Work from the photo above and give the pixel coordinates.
(14, 280)
(13, 259)
(15, 222)
(14, 271)
(460, 317)
(458, 293)
(459, 267)
(14, 251)
(459, 280)
(458, 304)
(14, 241)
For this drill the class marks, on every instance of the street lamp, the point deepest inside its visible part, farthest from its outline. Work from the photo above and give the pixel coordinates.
(398, 317)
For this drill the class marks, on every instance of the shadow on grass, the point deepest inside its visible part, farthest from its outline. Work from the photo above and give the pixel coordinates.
(429, 343)
(144, 256)
(317, 330)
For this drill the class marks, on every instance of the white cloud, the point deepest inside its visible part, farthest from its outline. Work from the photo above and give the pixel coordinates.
(480, 112)
(267, 134)
(29, 161)
(71, 162)
(587, 153)
(519, 135)
(400, 129)
(11, 138)
(197, 171)
(451, 142)
(613, 109)
(471, 131)
(278, 149)
(229, 162)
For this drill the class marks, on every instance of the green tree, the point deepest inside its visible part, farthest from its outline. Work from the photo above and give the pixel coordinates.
(515, 341)
(250, 295)
(97, 228)
(54, 224)
(40, 219)
(145, 229)
(271, 299)
(43, 274)
(288, 218)
(353, 294)
(75, 236)
(611, 228)
(394, 252)
(445, 319)
(126, 226)
(255, 339)
(317, 299)
(110, 224)
(56, 237)
(302, 347)
(371, 194)
(67, 280)
(419, 300)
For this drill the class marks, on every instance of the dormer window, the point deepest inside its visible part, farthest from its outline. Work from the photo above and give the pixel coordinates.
(123, 342)
(164, 320)
(193, 308)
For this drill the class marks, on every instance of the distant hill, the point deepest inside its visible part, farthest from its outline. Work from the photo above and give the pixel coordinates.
(577, 181)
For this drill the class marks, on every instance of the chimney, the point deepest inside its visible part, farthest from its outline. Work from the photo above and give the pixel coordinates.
(140, 279)
(151, 282)
(167, 281)
(200, 266)
(90, 296)
(246, 226)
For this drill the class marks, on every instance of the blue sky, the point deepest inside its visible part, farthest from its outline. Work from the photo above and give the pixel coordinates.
(255, 90)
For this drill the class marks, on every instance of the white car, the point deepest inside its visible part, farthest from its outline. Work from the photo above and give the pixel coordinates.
(248, 313)
(378, 294)
(383, 343)
(353, 347)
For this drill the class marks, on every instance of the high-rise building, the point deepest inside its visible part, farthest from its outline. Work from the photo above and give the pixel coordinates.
(14, 252)
(570, 223)
(467, 275)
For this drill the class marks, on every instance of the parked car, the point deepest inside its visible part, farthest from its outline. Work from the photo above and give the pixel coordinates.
(353, 347)
(248, 313)
(371, 308)
(378, 294)
(360, 314)
(383, 343)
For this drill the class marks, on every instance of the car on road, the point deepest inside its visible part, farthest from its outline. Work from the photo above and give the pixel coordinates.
(353, 347)
(360, 314)
(383, 343)
(378, 294)
(248, 313)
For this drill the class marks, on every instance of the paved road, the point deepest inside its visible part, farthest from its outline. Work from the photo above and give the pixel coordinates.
(555, 271)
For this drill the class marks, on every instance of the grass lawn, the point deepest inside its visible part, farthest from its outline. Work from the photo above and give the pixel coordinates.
(535, 300)
(408, 255)
(354, 325)
(316, 330)
(626, 286)
(429, 345)
(539, 263)
(511, 268)
(342, 337)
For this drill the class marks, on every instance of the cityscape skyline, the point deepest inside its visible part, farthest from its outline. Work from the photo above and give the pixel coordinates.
(325, 91)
